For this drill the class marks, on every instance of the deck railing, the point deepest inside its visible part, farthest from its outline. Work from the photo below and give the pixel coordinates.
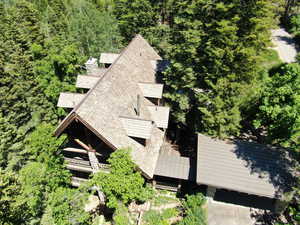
(166, 186)
(84, 165)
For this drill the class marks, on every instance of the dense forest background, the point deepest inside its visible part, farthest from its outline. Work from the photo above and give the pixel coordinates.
(222, 81)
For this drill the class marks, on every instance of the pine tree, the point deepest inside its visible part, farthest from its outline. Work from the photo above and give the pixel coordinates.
(215, 55)
(135, 16)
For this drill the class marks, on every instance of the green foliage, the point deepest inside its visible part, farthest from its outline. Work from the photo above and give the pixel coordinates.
(295, 24)
(280, 104)
(56, 66)
(278, 112)
(66, 207)
(159, 200)
(195, 214)
(121, 216)
(33, 179)
(123, 183)
(22, 104)
(11, 210)
(134, 16)
(94, 30)
(41, 145)
(294, 27)
(294, 212)
(42, 50)
(151, 19)
(39, 178)
(270, 59)
(153, 217)
(215, 58)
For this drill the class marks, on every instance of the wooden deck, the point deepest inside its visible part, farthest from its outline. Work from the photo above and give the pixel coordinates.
(166, 186)
(84, 166)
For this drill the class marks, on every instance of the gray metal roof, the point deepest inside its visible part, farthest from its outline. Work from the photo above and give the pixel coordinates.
(137, 127)
(151, 90)
(242, 166)
(160, 115)
(69, 100)
(108, 58)
(174, 166)
(115, 96)
(86, 81)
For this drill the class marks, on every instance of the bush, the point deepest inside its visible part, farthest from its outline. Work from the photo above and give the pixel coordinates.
(124, 183)
(153, 217)
(66, 207)
(295, 24)
(121, 215)
(193, 207)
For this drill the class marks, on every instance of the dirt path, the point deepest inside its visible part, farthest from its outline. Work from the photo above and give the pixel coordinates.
(285, 45)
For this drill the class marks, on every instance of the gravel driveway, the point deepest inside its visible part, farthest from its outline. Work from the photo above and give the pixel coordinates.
(284, 45)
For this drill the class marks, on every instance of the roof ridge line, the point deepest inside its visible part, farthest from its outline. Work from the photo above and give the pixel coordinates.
(90, 91)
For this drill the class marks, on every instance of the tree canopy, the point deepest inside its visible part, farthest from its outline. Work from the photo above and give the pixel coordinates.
(215, 83)
(124, 183)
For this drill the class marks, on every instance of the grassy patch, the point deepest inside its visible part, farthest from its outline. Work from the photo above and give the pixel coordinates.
(270, 59)
(153, 217)
(162, 200)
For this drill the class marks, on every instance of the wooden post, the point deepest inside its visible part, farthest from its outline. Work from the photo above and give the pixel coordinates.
(138, 105)
(87, 148)
(211, 191)
(179, 185)
(87, 135)
(153, 183)
(280, 206)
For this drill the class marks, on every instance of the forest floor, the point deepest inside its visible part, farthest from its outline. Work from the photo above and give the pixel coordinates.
(285, 45)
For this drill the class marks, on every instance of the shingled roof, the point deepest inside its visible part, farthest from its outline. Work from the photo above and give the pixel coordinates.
(114, 97)
(175, 166)
(243, 166)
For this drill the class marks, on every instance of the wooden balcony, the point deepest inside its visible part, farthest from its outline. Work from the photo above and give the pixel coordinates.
(81, 165)
(166, 186)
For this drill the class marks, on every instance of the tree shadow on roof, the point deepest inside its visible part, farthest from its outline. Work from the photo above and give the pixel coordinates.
(269, 162)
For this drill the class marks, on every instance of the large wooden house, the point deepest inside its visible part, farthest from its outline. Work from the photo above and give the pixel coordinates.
(123, 108)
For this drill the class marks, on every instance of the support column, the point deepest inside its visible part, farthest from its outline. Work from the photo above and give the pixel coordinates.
(153, 183)
(280, 206)
(210, 192)
(179, 185)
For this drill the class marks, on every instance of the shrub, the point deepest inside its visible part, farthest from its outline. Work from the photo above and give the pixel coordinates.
(121, 215)
(124, 183)
(295, 24)
(193, 207)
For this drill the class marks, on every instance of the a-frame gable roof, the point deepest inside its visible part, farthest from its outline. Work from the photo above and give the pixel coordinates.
(115, 96)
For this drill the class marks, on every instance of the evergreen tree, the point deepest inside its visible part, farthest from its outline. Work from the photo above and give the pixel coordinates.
(11, 211)
(123, 183)
(134, 16)
(215, 55)
(279, 108)
(21, 102)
